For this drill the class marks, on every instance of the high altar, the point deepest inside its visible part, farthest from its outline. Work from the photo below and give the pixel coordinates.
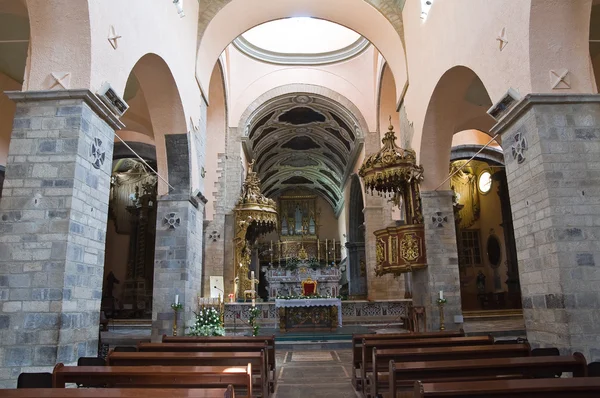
(300, 255)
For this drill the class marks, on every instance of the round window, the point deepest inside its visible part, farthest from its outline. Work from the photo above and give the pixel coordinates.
(485, 182)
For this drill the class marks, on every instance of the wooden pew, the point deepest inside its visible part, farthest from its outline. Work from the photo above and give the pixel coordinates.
(118, 393)
(377, 380)
(358, 338)
(255, 358)
(368, 345)
(156, 376)
(578, 387)
(403, 375)
(269, 340)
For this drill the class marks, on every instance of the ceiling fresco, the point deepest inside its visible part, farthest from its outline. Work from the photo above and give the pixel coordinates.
(304, 141)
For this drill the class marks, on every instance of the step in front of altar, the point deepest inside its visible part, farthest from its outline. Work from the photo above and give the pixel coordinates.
(354, 312)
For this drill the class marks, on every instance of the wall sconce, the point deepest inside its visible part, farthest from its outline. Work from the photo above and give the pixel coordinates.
(179, 5)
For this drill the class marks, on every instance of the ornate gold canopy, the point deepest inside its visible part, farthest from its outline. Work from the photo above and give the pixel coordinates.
(393, 172)
(255, 214)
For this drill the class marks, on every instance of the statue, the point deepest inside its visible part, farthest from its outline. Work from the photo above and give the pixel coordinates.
(111, 279)
(481, 282)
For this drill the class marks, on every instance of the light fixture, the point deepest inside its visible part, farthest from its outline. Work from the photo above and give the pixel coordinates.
(179, 5)
(485, 182)
(425, 7)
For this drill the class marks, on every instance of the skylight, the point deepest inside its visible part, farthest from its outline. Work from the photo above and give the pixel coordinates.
(301, 36)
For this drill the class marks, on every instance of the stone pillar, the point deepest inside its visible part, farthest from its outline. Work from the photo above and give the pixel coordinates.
(551, 147)
(356, 270)
(53, 218)
(179, 243)
(442, 262)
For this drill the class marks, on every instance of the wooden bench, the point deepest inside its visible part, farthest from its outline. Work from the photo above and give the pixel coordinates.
(358, 338)
(403, 375)
(118, 393)
(369, 345)
(156, 376)
(269, 340)
(578, 387)
(256, 358)
(377, 380)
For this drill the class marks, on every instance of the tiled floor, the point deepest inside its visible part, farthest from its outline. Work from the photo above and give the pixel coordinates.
(314, 374)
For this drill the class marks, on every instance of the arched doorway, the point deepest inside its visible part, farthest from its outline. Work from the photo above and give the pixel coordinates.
(488, 269)
(356, 265)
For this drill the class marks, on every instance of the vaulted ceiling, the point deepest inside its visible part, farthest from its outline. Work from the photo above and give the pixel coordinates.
(304, 141)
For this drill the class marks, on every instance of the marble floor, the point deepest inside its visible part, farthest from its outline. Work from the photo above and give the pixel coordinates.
(314, 374)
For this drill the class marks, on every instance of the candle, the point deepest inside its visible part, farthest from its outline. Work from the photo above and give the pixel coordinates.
(252, 278)
(318, 250)
(176, 299)
(441, 294)
(334, 250)
(326, 253)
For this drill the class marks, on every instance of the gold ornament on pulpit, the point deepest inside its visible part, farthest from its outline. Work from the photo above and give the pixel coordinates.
(393, 173)
(255, 215)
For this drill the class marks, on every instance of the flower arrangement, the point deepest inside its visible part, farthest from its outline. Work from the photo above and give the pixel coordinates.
(311, 296)
(292, 263)
(208, 323)
(253, 313)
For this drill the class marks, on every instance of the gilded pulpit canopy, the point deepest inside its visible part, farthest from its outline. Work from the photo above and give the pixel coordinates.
(255, 215)
(393, 172)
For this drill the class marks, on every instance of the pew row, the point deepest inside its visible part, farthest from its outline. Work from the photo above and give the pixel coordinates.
(358, 338)
(402, 376)
(269, 340)
(119, 393)
(378, 379)
(233, 359)
(368, 345)
(579, 387)
(206, 377)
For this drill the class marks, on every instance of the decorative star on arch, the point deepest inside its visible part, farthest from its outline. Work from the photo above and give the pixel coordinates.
(502, 39)
(519, 148)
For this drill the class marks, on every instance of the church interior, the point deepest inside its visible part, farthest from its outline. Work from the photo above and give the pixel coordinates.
(329, 192)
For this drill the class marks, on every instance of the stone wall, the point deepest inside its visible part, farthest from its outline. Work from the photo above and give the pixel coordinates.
(52, 230)
(442, 262)
(551, 148)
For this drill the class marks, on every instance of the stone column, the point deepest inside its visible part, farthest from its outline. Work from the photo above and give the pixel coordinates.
(551, 149)
(356, 270)
(179, 243)
(442, 262)
(53, 218)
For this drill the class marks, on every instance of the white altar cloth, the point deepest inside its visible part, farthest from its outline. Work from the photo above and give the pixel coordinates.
(324, 302)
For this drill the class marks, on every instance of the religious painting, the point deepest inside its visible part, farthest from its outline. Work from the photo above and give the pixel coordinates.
(298, 216)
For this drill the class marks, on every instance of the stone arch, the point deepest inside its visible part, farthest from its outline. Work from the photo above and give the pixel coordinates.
(595, 42)
(355, 211)
(386, 102)
(459, 101)
(56, 41)
(335, 97)
(559, 32)
(224, 22)
(217, 124)
(166, 121)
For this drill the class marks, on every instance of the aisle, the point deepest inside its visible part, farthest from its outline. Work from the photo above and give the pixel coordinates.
(309, 374)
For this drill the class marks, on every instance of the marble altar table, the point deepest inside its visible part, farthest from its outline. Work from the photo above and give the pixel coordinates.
(298, 314)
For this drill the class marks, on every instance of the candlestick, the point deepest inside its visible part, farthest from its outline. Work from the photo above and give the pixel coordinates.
(271, 254)
(252, 278)
(176, 299)
(318, 250)
(441, 307)
(279, 254)
(334, 250)
(326, 253)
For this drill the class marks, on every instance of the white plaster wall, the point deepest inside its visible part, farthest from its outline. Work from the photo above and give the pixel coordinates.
(249, 79)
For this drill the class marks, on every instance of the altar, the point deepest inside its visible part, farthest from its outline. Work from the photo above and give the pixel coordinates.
(299, 314)
(287, 282)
